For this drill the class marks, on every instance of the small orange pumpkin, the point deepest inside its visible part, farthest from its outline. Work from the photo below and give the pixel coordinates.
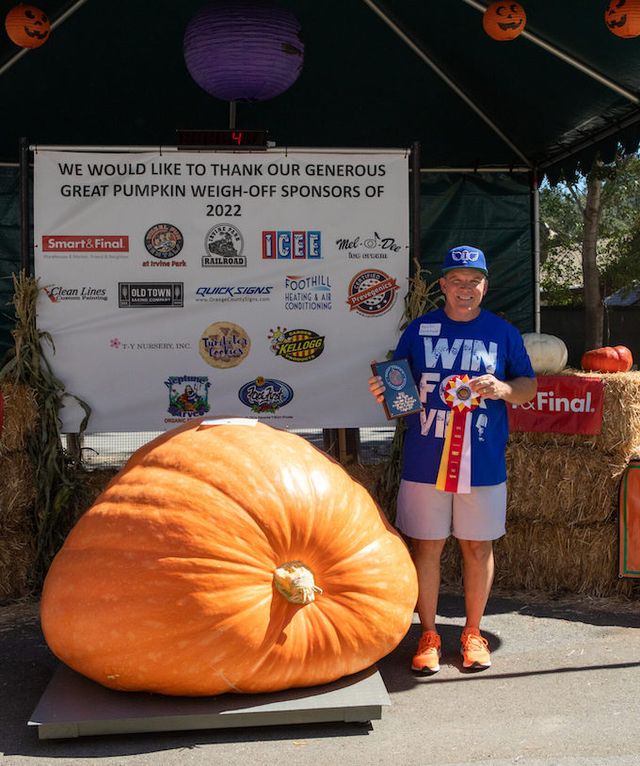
(607, 359)
(27, 26)
(622, 18)
(198, 570)
(504, 21)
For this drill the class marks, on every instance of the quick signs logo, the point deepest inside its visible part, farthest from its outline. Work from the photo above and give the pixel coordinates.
(224, 246)
(61, 294)
(296, 345)
(370, 247)
(372, 293)
(83, 245)
(188, 397)
(307, 293)
(265, 394)
(164, 241)
(150, 294)
(296, 245)
(234, 293)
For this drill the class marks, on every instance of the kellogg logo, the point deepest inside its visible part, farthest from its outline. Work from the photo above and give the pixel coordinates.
(188, 396)
(296, 345)
(372, 293)
(291, 245)
(265, 394)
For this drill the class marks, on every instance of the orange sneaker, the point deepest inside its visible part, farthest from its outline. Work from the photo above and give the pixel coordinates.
(474, 650)
(427, 658)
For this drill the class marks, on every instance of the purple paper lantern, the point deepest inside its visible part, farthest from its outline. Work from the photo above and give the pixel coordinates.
(243, 50)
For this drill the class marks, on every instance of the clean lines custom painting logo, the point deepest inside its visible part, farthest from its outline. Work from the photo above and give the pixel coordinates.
(294, 245)
(60, 293)
(150, 294)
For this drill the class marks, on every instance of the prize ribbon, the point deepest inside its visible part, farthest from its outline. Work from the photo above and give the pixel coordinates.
(454, 474)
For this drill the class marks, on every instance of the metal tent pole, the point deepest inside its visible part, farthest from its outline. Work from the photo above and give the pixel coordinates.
(535, 210)
(25, 219)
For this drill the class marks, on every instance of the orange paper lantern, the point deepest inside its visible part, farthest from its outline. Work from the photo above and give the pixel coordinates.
(27, 26)
(622, 18)
(504, 21)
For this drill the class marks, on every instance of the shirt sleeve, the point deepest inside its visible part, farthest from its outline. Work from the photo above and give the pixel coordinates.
(518, 364)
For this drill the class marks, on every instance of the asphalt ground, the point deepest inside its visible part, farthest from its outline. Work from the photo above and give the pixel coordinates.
(563, 690)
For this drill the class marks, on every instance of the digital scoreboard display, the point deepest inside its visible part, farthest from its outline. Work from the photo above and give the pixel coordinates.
(234, 138)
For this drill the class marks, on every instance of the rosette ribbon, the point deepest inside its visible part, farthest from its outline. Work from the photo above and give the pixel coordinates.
(454, 474)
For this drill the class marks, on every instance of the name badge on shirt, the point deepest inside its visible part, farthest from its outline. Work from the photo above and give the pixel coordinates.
(429, 329)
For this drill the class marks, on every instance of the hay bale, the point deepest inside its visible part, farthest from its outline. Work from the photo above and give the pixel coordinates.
(620, 434)
(20, 416)
(551, 558)
(561, 485)
(17, 489)
(17, 557)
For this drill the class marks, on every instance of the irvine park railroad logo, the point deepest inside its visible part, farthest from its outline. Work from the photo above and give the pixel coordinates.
(372, 292)
(296, 345)
(224, 245)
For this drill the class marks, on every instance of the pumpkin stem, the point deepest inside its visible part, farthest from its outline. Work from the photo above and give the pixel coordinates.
(295, 582)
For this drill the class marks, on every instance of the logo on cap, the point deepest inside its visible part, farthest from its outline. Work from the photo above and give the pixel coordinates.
(465, 256)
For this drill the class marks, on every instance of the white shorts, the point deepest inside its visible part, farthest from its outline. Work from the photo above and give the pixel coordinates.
(427, 513)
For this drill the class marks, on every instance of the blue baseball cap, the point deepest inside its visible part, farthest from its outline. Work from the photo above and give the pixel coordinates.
(465, 257)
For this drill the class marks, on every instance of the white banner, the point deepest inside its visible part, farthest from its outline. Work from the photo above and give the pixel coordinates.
(256, 284)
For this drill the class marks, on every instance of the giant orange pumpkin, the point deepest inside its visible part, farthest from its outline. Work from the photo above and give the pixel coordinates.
(27, 26)
(607, 359)
(622, 18)
(504, 21)
(228, 558)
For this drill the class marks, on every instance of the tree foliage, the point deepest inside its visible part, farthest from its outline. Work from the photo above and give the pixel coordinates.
(562, 211)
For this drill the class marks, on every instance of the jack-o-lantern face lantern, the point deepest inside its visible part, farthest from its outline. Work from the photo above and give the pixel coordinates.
(27, 26)
(504, 21)
(622, 18)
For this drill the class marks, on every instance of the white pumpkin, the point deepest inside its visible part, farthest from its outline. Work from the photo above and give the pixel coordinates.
(548, 353)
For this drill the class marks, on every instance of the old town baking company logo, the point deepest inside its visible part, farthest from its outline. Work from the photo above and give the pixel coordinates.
(372, 292)
(370, 247)
(85, 246)
(150, 294)
(296, 245)
(188, 397)
(62, 293)
(296, 345)
(224, 246)
(265, 394)
(224, 344)
(164, 241)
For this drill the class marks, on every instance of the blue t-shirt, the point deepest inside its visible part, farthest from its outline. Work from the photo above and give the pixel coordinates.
(437, 349)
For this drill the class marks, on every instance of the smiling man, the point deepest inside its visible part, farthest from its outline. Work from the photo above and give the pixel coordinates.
(468, 364)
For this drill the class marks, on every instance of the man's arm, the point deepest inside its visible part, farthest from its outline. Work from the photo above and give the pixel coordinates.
(516, 391)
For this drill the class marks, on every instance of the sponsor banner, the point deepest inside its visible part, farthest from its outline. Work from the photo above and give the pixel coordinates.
(220, 283)
(564, 404)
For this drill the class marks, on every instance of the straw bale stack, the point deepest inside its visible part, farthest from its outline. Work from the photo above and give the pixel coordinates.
(20, 417)
(17, 490)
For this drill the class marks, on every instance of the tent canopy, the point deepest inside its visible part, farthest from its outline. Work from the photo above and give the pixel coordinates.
(376, 74)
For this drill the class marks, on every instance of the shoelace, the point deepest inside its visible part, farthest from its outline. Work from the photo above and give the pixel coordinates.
(473, 642)
(427, 642)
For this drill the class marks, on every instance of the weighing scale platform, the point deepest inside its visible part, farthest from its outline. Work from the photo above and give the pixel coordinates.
(74, 706)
